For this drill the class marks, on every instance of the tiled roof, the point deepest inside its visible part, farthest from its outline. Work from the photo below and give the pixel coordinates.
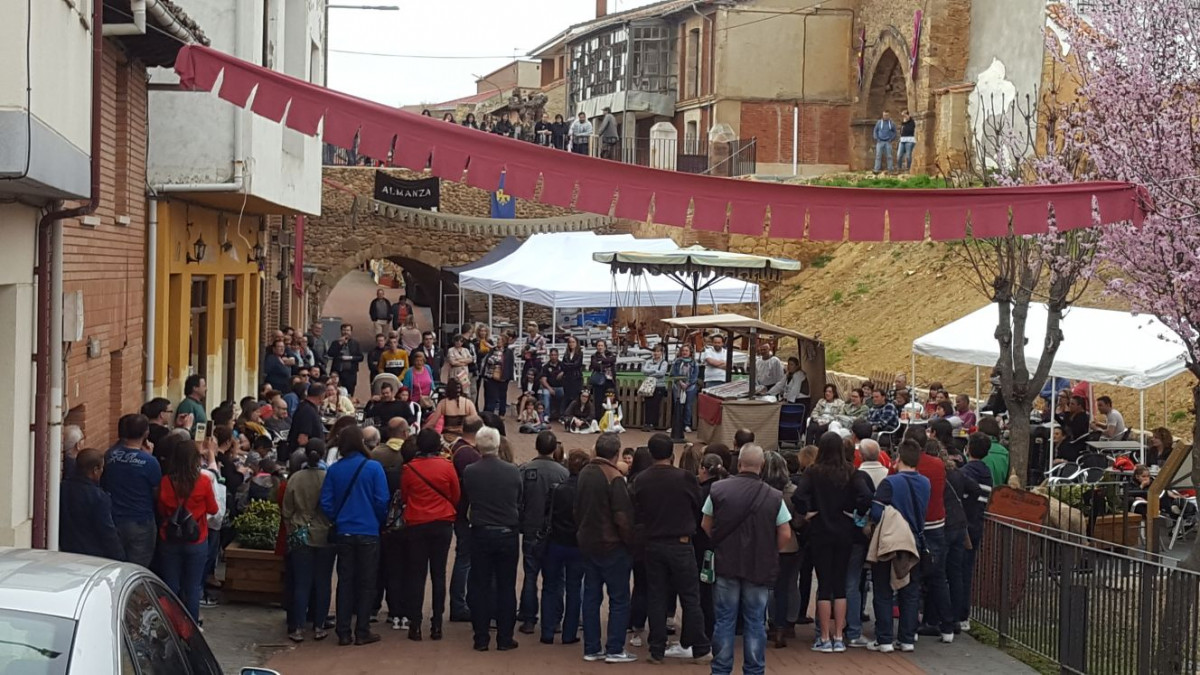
(182, 17)
(656, 9)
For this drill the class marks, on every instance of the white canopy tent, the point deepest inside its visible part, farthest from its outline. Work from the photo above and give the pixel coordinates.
(1099, 345)
(557, 270)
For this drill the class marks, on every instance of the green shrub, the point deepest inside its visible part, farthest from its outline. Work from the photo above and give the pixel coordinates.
(821, 261)
(258, 526)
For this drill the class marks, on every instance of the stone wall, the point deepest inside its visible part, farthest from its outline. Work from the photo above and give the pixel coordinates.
(942, 63)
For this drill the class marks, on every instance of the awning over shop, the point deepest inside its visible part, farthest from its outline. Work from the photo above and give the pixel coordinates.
(716, 204)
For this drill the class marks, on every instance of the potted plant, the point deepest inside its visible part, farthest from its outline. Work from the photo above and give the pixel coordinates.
(253, 572)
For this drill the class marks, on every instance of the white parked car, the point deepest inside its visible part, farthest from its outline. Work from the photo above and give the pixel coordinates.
(64, 614)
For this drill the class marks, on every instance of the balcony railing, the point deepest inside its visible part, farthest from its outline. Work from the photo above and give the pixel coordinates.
(690, 155)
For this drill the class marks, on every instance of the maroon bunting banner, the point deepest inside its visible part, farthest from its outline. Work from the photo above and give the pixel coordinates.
(641, 193)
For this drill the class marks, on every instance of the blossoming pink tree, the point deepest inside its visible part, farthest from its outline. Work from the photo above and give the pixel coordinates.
(1138, 65)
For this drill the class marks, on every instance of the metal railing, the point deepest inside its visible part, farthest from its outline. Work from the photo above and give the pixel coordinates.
(690, 155)
(1064, 597)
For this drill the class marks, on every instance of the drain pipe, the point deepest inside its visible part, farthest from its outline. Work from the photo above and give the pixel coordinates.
(48, 361)
(151, 292)
(138, 27)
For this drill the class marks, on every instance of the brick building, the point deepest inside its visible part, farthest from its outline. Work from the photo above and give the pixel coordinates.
(806, 81)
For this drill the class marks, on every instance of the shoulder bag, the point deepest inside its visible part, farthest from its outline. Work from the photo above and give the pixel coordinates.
(333, 533)
(708, 572)
(181, 527)
(395, 516)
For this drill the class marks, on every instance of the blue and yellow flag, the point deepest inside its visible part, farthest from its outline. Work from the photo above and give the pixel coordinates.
(504, 205)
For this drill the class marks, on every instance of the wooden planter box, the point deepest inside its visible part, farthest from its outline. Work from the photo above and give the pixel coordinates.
(1124, 529)
(252, 576)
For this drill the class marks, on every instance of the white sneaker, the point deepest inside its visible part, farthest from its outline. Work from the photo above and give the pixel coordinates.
(947, 638)
(859, 642)
(885, 648)
(906, 647)
(687, 430)
(404, 624)
(397, 624)
(635, 640)
(677, 651)
(599, 656)
(623, 657)
(964, 626)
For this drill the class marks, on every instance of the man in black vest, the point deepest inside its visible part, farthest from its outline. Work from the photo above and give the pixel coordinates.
(749, 524)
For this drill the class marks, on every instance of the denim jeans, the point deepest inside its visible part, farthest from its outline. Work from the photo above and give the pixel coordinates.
(957, 575)
(904, 156)
(854, 597)
(606, 572)
(214, 552)
(531, 563)
(671, 568)
(681, 413)
(493, 585)
(883, 148)
(389, 583)
(183, 572)
(908, 598)
(459, 610)
(731, 596)
(312, 582)
(562, 570)
(139, 540)
(552, 401)
(962, 612)
(937, 587)
(357, 567)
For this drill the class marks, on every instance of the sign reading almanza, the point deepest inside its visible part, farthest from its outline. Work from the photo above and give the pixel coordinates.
(418, 194)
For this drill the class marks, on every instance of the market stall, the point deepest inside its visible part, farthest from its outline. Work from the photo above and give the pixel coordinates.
(737, 404)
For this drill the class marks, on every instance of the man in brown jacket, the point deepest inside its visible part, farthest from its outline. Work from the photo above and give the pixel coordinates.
(604, 518)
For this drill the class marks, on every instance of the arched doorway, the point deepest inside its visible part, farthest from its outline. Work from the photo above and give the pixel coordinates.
(889, 87)
(886, 89)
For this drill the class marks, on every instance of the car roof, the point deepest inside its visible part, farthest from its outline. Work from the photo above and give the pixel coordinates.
(54, 583)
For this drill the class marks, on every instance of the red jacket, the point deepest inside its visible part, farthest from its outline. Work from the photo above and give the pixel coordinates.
(422, 502)
(201, 504)
(935, 470)
(883, 459)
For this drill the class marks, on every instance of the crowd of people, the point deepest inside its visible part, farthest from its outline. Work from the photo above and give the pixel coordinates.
(575, 135)
(885, 501)
(725, 536)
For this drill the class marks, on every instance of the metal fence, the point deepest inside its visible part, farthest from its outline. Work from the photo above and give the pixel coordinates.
(690, 155)
(1089, 606)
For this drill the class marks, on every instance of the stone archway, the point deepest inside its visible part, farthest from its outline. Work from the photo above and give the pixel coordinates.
(886, 88)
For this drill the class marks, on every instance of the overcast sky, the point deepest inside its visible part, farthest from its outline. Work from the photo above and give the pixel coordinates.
(491, 28)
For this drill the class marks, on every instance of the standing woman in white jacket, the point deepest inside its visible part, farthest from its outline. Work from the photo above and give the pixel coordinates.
(657, 367)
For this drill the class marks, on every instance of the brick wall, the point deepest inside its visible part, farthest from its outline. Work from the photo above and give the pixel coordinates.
(824, 131)
(107, 262)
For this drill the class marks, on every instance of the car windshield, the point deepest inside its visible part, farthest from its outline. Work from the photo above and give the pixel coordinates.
(34, 644)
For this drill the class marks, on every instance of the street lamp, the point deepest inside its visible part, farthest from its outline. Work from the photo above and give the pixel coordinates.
(325, 50)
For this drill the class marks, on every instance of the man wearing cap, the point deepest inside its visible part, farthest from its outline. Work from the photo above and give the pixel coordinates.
(306, 423)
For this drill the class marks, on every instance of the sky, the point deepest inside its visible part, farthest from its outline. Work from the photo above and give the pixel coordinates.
(498, 29)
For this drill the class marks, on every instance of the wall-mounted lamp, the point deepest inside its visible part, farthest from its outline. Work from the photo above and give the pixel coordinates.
(200, 249)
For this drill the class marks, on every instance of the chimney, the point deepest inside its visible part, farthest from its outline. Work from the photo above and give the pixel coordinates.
(601, 8)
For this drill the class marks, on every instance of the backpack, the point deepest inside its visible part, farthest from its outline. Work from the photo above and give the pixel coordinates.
(256, 491)
(181, 527)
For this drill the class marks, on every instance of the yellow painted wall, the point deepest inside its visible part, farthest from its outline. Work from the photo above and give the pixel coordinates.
(179, 225)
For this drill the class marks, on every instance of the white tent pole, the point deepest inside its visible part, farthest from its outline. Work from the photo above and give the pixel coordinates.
(1050, 414)
(1164, 404)
(491, 328)
(1142, 422)
(912, 355)
(458, 328)
(977, 394)
(441, 306)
